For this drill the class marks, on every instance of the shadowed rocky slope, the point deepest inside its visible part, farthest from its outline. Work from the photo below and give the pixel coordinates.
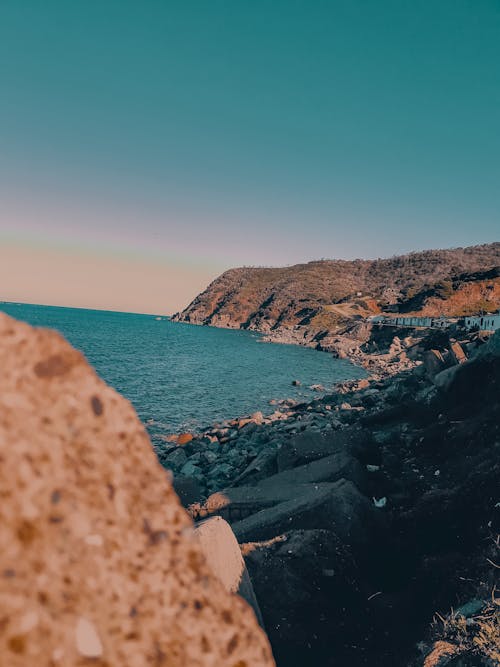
(368, 513)
(98, 564)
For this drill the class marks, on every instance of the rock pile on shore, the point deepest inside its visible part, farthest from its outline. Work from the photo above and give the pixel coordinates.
(366, 512)
(246, 446)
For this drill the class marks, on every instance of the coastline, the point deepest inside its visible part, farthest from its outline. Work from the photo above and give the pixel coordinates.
(350, 479)
(383, 360)
(386, 367)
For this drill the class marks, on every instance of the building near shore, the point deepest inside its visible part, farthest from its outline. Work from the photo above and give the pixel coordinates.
(488, 322)
(443, 322)
(411, 321)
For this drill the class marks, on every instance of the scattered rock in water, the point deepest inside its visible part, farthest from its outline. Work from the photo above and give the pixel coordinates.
(184, 438)
(248, 424)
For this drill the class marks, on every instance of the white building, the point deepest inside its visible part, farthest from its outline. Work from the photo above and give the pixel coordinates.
(413, 321)
(442, 322)
(488, 322)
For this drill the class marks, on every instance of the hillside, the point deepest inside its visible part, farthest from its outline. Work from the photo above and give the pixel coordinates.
(322, 295)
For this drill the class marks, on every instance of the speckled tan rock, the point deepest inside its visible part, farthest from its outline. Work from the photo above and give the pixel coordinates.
(98, 563)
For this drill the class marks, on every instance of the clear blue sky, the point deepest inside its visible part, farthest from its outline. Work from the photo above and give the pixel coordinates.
(211, 134)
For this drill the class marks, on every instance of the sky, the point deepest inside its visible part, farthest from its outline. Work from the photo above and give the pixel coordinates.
(147, 146)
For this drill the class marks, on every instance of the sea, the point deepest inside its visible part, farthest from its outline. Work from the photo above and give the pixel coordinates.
(182, 377)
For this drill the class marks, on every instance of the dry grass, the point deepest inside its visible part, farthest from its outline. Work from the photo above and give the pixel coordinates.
(478, 635)
(487, 638)
(440, 650)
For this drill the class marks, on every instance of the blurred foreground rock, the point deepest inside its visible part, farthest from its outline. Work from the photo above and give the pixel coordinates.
(98, 561)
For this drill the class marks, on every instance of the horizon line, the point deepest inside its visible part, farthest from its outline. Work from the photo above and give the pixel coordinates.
(101, 310)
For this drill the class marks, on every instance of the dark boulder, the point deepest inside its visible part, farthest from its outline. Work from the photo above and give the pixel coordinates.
(311, 445)
(188, 489)
(261, 467)
(339, 507)
(313, 609)
(236, 503)
(329, 469)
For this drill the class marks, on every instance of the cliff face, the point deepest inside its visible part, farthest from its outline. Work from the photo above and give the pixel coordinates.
(322, 294)
(98, 563)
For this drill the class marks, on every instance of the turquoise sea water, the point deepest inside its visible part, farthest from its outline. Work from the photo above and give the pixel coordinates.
(183, 377)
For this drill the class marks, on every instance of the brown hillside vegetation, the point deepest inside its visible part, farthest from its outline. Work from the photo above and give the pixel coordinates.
(270, 298)
(469, 294)
(475, 297)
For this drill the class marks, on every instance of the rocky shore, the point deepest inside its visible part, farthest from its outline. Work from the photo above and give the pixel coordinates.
(221, 452)
(367, 515)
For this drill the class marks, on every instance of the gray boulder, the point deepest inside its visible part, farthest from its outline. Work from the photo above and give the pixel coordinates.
(262, 466)
(188, 489)
(340, 508)
(444, 379)
(329, 469)
(190, 469)
(434, 362)
(234, 504)
(311, 445)
(176, 459)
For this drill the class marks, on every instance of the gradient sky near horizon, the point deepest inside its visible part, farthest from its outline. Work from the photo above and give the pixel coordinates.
(146, 146)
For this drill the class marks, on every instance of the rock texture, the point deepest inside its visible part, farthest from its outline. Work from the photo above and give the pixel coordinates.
(98, 563)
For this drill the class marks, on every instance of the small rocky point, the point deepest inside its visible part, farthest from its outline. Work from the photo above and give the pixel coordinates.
(98, 564)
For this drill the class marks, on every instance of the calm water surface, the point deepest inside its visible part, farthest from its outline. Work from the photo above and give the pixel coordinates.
(181, 377)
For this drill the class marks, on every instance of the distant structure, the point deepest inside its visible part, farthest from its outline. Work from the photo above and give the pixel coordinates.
(488, 322)
(413, 321)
